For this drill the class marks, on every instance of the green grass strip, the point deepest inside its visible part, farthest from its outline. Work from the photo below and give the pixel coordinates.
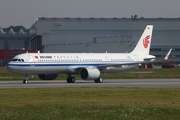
(90, 103)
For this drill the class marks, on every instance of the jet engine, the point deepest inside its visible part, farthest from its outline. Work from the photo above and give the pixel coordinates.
(89, 73)
(47, 76)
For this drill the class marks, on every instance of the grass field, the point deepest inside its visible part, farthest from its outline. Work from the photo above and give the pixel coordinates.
(89, 104)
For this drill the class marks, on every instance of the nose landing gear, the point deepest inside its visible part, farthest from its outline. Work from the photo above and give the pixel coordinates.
(25, 81)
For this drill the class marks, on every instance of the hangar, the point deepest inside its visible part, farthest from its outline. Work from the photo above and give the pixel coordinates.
(105, 35)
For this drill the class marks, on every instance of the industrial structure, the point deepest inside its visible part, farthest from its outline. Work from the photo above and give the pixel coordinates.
(100, 35)
(13, 43)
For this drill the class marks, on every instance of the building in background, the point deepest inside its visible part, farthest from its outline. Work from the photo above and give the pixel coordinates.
(105, 35)
(13, 43)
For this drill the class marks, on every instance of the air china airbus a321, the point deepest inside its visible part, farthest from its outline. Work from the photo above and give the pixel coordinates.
(87, 65)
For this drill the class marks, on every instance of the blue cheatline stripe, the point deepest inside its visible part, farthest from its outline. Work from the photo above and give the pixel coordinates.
(65, 64)
(55, 65)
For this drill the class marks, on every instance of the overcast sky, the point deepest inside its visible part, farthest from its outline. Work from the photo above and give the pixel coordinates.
(24, 12)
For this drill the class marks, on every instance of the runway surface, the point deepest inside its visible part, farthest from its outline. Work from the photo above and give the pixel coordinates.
(139, 83)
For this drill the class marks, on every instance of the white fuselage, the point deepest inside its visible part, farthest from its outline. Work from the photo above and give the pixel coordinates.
(68, 63)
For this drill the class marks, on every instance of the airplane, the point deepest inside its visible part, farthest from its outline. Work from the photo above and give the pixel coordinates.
(88, 65)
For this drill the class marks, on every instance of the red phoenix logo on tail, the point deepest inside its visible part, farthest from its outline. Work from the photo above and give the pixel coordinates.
(146, 41)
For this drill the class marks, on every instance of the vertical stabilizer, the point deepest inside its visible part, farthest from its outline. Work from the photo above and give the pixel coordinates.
(143, 46)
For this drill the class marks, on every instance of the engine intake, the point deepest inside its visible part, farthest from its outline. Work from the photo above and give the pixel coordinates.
(89, 73)
(47, 76)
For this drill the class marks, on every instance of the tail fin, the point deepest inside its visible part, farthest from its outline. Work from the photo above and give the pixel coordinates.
(143, 46)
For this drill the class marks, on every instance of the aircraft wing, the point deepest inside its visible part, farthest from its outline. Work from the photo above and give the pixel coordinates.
(119, 65)
(76, 69)
(165, 58)
(167, 55)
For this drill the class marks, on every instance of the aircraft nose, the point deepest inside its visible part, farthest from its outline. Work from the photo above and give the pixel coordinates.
(9, 67)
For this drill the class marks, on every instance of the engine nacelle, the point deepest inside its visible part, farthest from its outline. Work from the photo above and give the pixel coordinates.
(47, 76)
(89, 73)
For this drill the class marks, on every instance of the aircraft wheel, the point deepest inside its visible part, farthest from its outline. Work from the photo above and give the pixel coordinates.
(70, 80)
(25, 81)
(100, 80)
(96, 81)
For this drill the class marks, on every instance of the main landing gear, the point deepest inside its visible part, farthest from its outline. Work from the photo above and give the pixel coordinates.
(70, 79)
(99, 80)
(25, 81)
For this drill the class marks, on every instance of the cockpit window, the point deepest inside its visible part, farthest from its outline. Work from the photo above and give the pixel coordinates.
(18, 60)
(15, 60)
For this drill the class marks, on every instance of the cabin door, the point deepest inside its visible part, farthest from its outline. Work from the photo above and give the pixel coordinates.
(136, 58)
(107, 60)
(31, 60)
